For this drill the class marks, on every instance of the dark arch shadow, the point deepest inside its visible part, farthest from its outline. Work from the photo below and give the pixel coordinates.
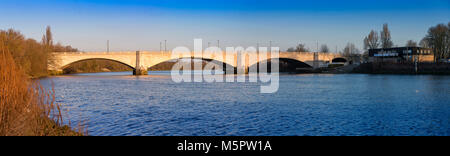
(287, 65)
(95, 59)
(224, 65)
(339, 60)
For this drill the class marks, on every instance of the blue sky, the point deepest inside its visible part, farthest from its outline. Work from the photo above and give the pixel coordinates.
(141, 25)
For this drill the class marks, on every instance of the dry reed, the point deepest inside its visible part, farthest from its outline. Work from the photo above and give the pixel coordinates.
(26, 108)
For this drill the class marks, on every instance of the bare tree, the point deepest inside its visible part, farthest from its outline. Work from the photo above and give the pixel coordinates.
(292, 49)
(448, 42)
(301, 48)
(47, 39)
(424, 43)
(350, 50)
(58, 47)
(324, 48)
(371, 41)
(438, 39)
(386, 41)
(47, 42)
(411, 43)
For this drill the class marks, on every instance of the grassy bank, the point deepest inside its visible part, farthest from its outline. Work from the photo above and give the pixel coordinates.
(403, 68)
(26, 108)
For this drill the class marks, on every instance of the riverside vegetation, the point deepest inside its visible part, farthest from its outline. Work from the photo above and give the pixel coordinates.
(26, 108)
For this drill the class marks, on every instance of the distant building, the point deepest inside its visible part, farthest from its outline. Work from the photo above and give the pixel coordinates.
(401, 54)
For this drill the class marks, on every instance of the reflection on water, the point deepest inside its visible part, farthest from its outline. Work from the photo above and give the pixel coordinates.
(104, 74)
(122, 104)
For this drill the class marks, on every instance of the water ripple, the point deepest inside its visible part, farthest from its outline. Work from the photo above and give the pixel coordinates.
(306, 105)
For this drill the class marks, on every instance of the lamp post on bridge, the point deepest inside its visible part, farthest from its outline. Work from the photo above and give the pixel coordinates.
(257, 47)
(270, 46)
(107, 46)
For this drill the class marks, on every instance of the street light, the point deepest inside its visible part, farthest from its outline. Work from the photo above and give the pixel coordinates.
(107, 46)
(257, 47)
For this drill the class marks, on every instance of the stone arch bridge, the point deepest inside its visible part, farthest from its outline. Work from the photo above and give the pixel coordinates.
(142, 60)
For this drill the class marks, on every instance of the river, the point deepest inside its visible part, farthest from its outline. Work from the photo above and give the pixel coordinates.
(305, 105)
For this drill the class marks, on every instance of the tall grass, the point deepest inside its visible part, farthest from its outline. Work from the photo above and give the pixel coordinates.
(26, 108)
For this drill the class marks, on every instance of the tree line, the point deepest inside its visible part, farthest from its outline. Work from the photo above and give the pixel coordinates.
(350, 50)
(32, 56)
(437, 38)
(302, 48)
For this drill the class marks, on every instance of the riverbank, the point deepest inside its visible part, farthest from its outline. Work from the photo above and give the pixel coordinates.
(403, 68)
(26, 108)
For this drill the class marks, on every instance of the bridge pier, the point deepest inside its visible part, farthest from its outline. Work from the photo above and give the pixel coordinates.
(316, 61)
(139, 70)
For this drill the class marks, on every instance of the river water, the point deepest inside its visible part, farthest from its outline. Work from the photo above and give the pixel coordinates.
(348, 104)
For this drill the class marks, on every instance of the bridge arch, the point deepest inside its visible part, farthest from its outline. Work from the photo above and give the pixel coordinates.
(92, 59)
(218, 62)
(286, 65)
(339, 60)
